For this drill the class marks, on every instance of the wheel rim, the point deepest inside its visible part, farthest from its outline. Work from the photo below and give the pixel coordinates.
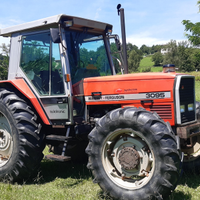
(128, 159)
(6, 142)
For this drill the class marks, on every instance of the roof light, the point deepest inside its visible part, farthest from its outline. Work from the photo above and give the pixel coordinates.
(68, 23)
(109, 31)
(169, 68)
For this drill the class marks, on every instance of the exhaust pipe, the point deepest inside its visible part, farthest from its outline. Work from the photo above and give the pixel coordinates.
(123, 31)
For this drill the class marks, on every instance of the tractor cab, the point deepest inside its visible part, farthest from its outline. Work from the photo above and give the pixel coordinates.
(54, 54)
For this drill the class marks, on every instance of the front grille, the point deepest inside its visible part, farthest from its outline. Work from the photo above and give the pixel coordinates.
(186, 93)
(164, 111)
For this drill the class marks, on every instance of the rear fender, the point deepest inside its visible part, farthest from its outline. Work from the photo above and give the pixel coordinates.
(23, 87)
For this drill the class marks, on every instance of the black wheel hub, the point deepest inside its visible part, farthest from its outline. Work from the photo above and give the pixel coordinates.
(129, 158)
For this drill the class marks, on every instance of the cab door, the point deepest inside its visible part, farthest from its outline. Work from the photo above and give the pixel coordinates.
(42, 67)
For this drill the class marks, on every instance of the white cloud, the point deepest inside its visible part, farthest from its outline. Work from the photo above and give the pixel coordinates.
(145, 38)
(5, 40)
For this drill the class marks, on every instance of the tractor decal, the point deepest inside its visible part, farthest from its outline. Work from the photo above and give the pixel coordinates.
(121, 97)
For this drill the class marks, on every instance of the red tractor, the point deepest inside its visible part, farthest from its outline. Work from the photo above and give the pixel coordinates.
(62, 89)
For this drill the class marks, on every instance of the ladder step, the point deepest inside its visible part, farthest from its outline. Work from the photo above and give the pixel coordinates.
(59, 158)
(57, 137)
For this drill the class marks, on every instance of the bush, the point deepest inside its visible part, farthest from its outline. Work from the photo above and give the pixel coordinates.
(146, 69)
(157, 58)
(134, 61)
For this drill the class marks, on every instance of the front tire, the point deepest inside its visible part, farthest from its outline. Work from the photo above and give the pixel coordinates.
(21, 143)
(133, 155)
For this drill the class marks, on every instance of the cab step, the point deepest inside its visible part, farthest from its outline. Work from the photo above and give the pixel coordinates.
(57, 138)
(59, 158)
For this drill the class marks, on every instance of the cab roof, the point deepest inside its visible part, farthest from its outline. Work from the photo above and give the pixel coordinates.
(53, 21)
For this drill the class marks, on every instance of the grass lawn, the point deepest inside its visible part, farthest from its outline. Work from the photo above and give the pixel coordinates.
(197, 90)
(56, 181)
(146, 63)
(70, 181)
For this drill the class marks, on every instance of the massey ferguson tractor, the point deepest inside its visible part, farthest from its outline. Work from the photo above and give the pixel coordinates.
(63, 91)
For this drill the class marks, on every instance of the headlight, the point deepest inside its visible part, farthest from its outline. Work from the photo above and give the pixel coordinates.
(190, 107)
(182, 108)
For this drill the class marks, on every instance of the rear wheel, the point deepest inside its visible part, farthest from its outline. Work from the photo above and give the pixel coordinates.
(133, 153)
(21, 143)
(6, 142)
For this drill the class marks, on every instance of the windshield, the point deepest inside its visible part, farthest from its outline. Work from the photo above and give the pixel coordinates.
(87, 55)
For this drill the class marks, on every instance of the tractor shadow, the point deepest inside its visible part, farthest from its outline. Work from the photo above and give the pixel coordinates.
(187, 180)
(190, 179)
(50, 170)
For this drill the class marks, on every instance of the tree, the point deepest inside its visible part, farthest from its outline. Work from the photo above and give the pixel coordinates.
(156, 48)
(131, 47)
(196, 58)
(115, 56)
(145, 49)
(157, 58)
(186, 60)
(4, 61)
(182, 55)
(194, 29)
(172, 57)
(134, 61)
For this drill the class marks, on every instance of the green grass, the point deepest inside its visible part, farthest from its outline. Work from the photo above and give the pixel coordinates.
(197, 90)
(56, 181)
(67, 181)
(188, 188)
(197, 84)
(146, 63)
(156, 69)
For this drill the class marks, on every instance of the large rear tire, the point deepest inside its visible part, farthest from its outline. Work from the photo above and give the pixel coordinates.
(133, 155)
(21, 143)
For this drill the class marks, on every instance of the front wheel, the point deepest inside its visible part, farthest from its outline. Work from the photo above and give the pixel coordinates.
(133, 155)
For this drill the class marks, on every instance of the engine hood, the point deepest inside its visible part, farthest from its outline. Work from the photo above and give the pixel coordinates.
(154, 92)
(136, 76)
(129, 83)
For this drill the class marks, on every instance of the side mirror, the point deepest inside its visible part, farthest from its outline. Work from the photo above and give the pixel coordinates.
(118, 45)
(55, 35)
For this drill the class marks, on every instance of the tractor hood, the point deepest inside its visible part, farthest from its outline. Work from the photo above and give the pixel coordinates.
(153, 91)
(129, 87)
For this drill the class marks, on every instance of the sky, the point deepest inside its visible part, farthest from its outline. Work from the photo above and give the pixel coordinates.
(148, 22)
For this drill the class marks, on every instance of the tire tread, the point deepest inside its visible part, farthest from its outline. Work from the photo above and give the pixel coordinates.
(31, 143)
(148, 123)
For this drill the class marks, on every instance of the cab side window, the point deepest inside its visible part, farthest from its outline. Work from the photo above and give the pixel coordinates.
(40, 61)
